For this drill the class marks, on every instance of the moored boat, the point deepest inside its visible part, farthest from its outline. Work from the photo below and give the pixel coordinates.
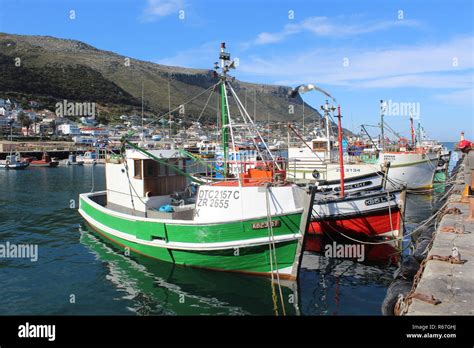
(45, 161)
(247, 223)
(11, 162)
(357, 216)
(91, 158)
(72, 160)
(355, 183)
(363, 214)
(413, 169)
(226, 228)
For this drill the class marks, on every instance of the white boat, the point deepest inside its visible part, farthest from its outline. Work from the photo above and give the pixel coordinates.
(12, 162)
(316, 162)
(91, 157)
(363, 182)
(411, 165)
(72, 160)
(413, 169)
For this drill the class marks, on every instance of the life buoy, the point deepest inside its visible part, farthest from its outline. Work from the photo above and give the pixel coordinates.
(7, 162)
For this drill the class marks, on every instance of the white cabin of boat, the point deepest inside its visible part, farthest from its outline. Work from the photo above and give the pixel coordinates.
(150, 185)
(147, 182)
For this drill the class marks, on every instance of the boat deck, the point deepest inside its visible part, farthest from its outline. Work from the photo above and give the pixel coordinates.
(187, 214)
(184, 212)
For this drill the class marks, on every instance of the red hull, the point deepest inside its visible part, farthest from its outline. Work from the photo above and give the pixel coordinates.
(43, 164)
(370, 225)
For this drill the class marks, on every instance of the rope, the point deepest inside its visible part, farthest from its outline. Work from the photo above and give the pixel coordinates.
(273, 257)
(179, 106)
(93, 180)
(390, 212)
(205, 106)
(245, 114)
(130, 186)
(241, 110)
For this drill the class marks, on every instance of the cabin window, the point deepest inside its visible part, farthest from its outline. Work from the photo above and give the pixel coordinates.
(137, 169)
(161, 169)
(318, 145)
(174, 162)
(150, 168)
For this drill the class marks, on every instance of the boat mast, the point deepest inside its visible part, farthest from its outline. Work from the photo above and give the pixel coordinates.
(224, 56)
(143, 132)
(328, 136)
(326, 107)
(382, 133)
(412, 131)
(341, 160)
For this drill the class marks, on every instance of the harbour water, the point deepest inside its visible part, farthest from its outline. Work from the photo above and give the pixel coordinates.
(77, 272)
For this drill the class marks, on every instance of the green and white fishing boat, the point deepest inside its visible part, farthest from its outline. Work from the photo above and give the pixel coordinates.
(251, 223)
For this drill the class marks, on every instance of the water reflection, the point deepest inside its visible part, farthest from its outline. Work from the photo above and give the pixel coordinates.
(330, 286)
(162, 288)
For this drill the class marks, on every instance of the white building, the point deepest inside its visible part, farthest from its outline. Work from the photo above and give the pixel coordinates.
(94, 131)
(69, 129)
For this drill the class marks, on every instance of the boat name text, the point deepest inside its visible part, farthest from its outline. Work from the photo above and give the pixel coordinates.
(216, 198)
(264, 224)
(378, 200)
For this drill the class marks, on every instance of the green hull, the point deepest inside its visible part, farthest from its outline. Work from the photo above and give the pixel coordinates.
(234, 246)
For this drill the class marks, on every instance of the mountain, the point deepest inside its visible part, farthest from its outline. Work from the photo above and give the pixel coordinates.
(49, 70)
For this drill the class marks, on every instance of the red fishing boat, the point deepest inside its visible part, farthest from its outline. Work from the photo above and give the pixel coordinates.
(45, 161)
(356, 216)
(363, 214)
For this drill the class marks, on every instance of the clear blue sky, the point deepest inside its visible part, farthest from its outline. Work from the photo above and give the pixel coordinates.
(423, 54)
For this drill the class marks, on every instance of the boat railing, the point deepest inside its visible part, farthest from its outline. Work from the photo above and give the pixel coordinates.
(310, 162)
(245, 172)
